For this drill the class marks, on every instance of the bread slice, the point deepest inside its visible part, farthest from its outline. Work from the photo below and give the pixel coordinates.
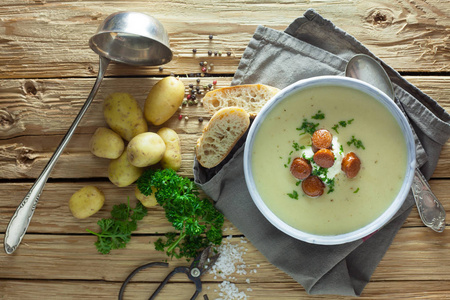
(250, 97)
(220, 135)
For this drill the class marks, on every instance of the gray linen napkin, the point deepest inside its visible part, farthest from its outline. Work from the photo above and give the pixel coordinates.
(313, 46)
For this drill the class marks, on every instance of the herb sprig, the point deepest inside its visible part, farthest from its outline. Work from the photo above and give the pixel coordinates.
(358, 143)
(196, 220)
(116, 231)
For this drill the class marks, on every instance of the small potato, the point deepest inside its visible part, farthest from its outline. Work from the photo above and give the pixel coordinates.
(172, 156)
(86, 202)
(121, 173)
(124, 115)
(145, 149)
(106, 143)
(163, 100)
(147, 201)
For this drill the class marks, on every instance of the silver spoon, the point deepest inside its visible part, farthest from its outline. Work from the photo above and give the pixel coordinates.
(126, 37)
(431, 211)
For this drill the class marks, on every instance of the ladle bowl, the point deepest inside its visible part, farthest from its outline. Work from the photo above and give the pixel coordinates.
(126, 37)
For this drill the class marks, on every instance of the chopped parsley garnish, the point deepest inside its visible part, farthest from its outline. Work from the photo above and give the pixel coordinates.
(330, 183)
(335, 127)
(286, 165)
(319, 116)
(357, 190)
(293, 195)
(308, 127)
(296, 146)
(358, 144)
(342, 124)
(341, 149)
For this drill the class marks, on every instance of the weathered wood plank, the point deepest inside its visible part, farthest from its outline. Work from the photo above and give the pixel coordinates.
(56, 290)
(52, 214)
(50, 38)
(34, 115)
(408, 258)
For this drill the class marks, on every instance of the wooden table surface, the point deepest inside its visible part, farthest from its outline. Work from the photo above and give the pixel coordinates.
(47, 71)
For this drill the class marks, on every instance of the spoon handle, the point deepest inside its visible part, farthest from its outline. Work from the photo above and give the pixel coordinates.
(430, 209)
(19, 222)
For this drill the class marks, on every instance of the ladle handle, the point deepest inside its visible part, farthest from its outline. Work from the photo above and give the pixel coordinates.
(430, 209)
(19, 222)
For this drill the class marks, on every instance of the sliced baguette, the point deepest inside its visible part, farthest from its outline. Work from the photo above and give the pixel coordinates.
(250, 97)
(220, 135)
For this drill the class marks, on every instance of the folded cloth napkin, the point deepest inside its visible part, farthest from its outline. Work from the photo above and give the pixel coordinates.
(313, 46)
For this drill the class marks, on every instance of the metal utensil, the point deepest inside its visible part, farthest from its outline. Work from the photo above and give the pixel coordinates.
(126, 37)
(431, 211)
(201, 264)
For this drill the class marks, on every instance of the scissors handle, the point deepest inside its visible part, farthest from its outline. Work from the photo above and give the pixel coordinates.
(187, 271)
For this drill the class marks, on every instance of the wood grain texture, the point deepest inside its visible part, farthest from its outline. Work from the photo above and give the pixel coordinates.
(46, 72)
(35, 115)
(45, 39)
(52, 214)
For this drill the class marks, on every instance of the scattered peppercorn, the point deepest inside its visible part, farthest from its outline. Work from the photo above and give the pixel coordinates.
(209, 52)
(194, 50)
(186, 118)
(200, 119)
(215, 53)
(198, 80)
(161, 68)
(210, 36)
(203, 69)
(191, 85)
(214, 82)
(201, 64)
(188, 97)
(229, 53)
(209, 85)
(193, 97)
(180, 117)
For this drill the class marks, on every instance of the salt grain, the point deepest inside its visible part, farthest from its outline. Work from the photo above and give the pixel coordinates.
(230, 262)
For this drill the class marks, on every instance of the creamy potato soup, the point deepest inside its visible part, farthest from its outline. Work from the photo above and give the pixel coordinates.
(358, 124)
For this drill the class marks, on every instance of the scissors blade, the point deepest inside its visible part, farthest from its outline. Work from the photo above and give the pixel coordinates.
(204, 261)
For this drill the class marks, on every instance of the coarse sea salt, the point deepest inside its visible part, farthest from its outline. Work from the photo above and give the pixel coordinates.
(230, 262)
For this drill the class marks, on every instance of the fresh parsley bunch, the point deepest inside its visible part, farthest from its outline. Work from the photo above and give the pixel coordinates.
(197, 221)
(116, 232)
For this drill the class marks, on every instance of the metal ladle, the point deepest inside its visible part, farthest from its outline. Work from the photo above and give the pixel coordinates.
(126, 37)
(431, 211)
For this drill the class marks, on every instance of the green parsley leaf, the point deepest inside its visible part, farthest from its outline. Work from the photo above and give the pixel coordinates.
(115, 232)
(319, 116)
(296, 146)
(307, 127)
(357, 190)
(358, 144)
(293, 195)
(197, 222)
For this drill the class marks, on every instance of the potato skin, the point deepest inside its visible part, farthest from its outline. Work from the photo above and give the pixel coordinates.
(124, 115)
(121, 173)
(145, 149)
(106, 143)
(86, 201)
(172, 156)
(163, 100)
(147, 201)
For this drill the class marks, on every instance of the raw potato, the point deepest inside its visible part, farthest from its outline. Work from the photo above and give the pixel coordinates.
(172, 156)
(121, 173)
(145, 149)
(106, 143)
(86, 202)
(163, 100)
(147, 201)
(124, 115)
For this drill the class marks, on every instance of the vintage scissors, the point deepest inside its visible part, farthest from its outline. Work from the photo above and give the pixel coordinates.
(201, 264)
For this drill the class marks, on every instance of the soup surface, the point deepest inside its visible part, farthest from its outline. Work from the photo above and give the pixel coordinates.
(359, 124)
